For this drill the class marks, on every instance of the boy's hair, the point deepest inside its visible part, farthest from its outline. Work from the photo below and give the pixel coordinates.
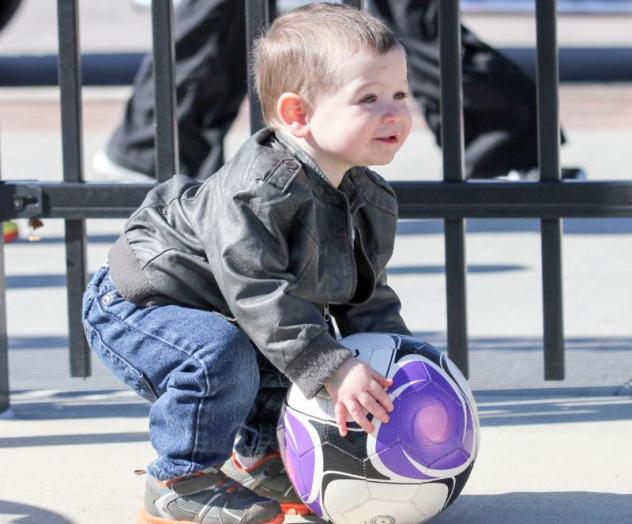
(301, 51)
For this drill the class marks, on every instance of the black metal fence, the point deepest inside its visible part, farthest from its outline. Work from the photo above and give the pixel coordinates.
(452, 199)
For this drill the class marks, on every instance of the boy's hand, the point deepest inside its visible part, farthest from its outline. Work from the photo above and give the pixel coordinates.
(356, 389)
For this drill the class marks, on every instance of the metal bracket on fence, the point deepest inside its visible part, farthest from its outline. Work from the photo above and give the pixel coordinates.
(20, 199)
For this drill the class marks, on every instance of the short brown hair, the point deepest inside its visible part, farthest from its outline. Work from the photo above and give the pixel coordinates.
(299, 52)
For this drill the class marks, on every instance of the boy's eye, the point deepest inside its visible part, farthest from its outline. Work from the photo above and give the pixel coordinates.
(368, 99)
(400, 95)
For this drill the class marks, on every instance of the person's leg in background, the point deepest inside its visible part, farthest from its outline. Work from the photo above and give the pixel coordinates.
(211, 82)
(499, 100)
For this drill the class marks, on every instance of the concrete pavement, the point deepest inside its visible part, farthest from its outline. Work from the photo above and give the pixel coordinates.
(549, 458)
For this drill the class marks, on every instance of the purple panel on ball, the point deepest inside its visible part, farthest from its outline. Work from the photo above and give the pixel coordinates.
(445, 383)
(433, 423)
(427, 442)
(390, 451)
(468, 439)
(412, 371)
(300, 442)
(315, 507)
(290, 455)
(397, 462)
(452, 460)
(388, 434)
(307, 471)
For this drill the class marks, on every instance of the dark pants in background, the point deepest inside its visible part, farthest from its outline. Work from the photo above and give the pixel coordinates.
(499, 100)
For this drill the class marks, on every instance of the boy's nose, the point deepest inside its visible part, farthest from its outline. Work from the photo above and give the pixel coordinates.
(392, 115)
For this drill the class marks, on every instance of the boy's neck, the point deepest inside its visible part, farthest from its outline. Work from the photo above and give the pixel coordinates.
(333, 174)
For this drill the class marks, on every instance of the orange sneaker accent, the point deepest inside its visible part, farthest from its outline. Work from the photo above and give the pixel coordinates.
(295, 508)
(170, 482)
(267, 458)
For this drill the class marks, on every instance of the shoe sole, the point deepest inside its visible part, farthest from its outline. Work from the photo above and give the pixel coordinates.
(146, 518)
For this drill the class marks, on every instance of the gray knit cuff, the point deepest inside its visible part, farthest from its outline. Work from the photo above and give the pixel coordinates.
(317, 363)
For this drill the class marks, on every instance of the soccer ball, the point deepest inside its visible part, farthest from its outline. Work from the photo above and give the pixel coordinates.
(405, 471)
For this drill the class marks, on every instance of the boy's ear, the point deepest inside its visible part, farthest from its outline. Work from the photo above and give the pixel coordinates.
(292, 111)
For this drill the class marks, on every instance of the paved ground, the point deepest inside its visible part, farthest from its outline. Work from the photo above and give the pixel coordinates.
(551, 452)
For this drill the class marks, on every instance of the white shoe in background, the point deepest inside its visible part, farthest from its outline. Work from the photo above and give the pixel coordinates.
(105, 169)
(146, 4)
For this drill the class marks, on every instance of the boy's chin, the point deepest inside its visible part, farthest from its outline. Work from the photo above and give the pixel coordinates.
(382, 161)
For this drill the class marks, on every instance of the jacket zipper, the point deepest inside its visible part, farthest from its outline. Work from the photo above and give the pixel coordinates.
(353, 234)
(330, 324)
(366, 257)
(326, 313)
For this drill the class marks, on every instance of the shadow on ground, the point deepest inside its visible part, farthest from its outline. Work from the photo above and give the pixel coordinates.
(73, 439)
(578, 507)
(27, 514)
(501, 344)
(503, 410)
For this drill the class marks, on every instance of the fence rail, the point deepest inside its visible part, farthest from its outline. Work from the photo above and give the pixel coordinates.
(452, 199)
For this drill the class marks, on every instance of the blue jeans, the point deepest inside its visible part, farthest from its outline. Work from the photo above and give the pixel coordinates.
(210, 389)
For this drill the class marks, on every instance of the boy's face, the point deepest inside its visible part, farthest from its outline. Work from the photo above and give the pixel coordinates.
(365, 120)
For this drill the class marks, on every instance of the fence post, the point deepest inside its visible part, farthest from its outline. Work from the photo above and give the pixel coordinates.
(257, 16)
(72, 149)
(452, 151)
(549, 162)
(167, 159)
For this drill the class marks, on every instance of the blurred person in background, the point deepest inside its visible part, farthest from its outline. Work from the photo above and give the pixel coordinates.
(499, 100)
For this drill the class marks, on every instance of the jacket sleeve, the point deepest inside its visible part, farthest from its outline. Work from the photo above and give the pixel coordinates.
(251, 257)
(381, 313)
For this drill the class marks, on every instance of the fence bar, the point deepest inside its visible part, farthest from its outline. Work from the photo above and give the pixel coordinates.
(257, 17)
(75, 230)
(167, 160)
(452, 150)
(586, 199)
(549, 162)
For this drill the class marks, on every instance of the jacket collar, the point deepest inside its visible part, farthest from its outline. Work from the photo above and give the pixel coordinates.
(300, 154)
(349, 183)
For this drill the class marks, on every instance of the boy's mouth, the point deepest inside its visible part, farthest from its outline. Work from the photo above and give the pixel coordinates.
(389, 139)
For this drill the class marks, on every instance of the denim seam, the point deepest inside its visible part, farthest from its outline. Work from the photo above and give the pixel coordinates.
(206, 392)
(141, 377)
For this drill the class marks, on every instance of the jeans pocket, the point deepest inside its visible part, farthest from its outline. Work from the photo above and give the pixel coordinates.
(120, 367)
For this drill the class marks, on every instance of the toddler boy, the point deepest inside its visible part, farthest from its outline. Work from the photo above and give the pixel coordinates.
(217, 294)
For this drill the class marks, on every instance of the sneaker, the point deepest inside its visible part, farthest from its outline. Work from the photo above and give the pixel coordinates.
(533, 175)
(573, 173)
(104, 167)
(207, 497)
(268, 478)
